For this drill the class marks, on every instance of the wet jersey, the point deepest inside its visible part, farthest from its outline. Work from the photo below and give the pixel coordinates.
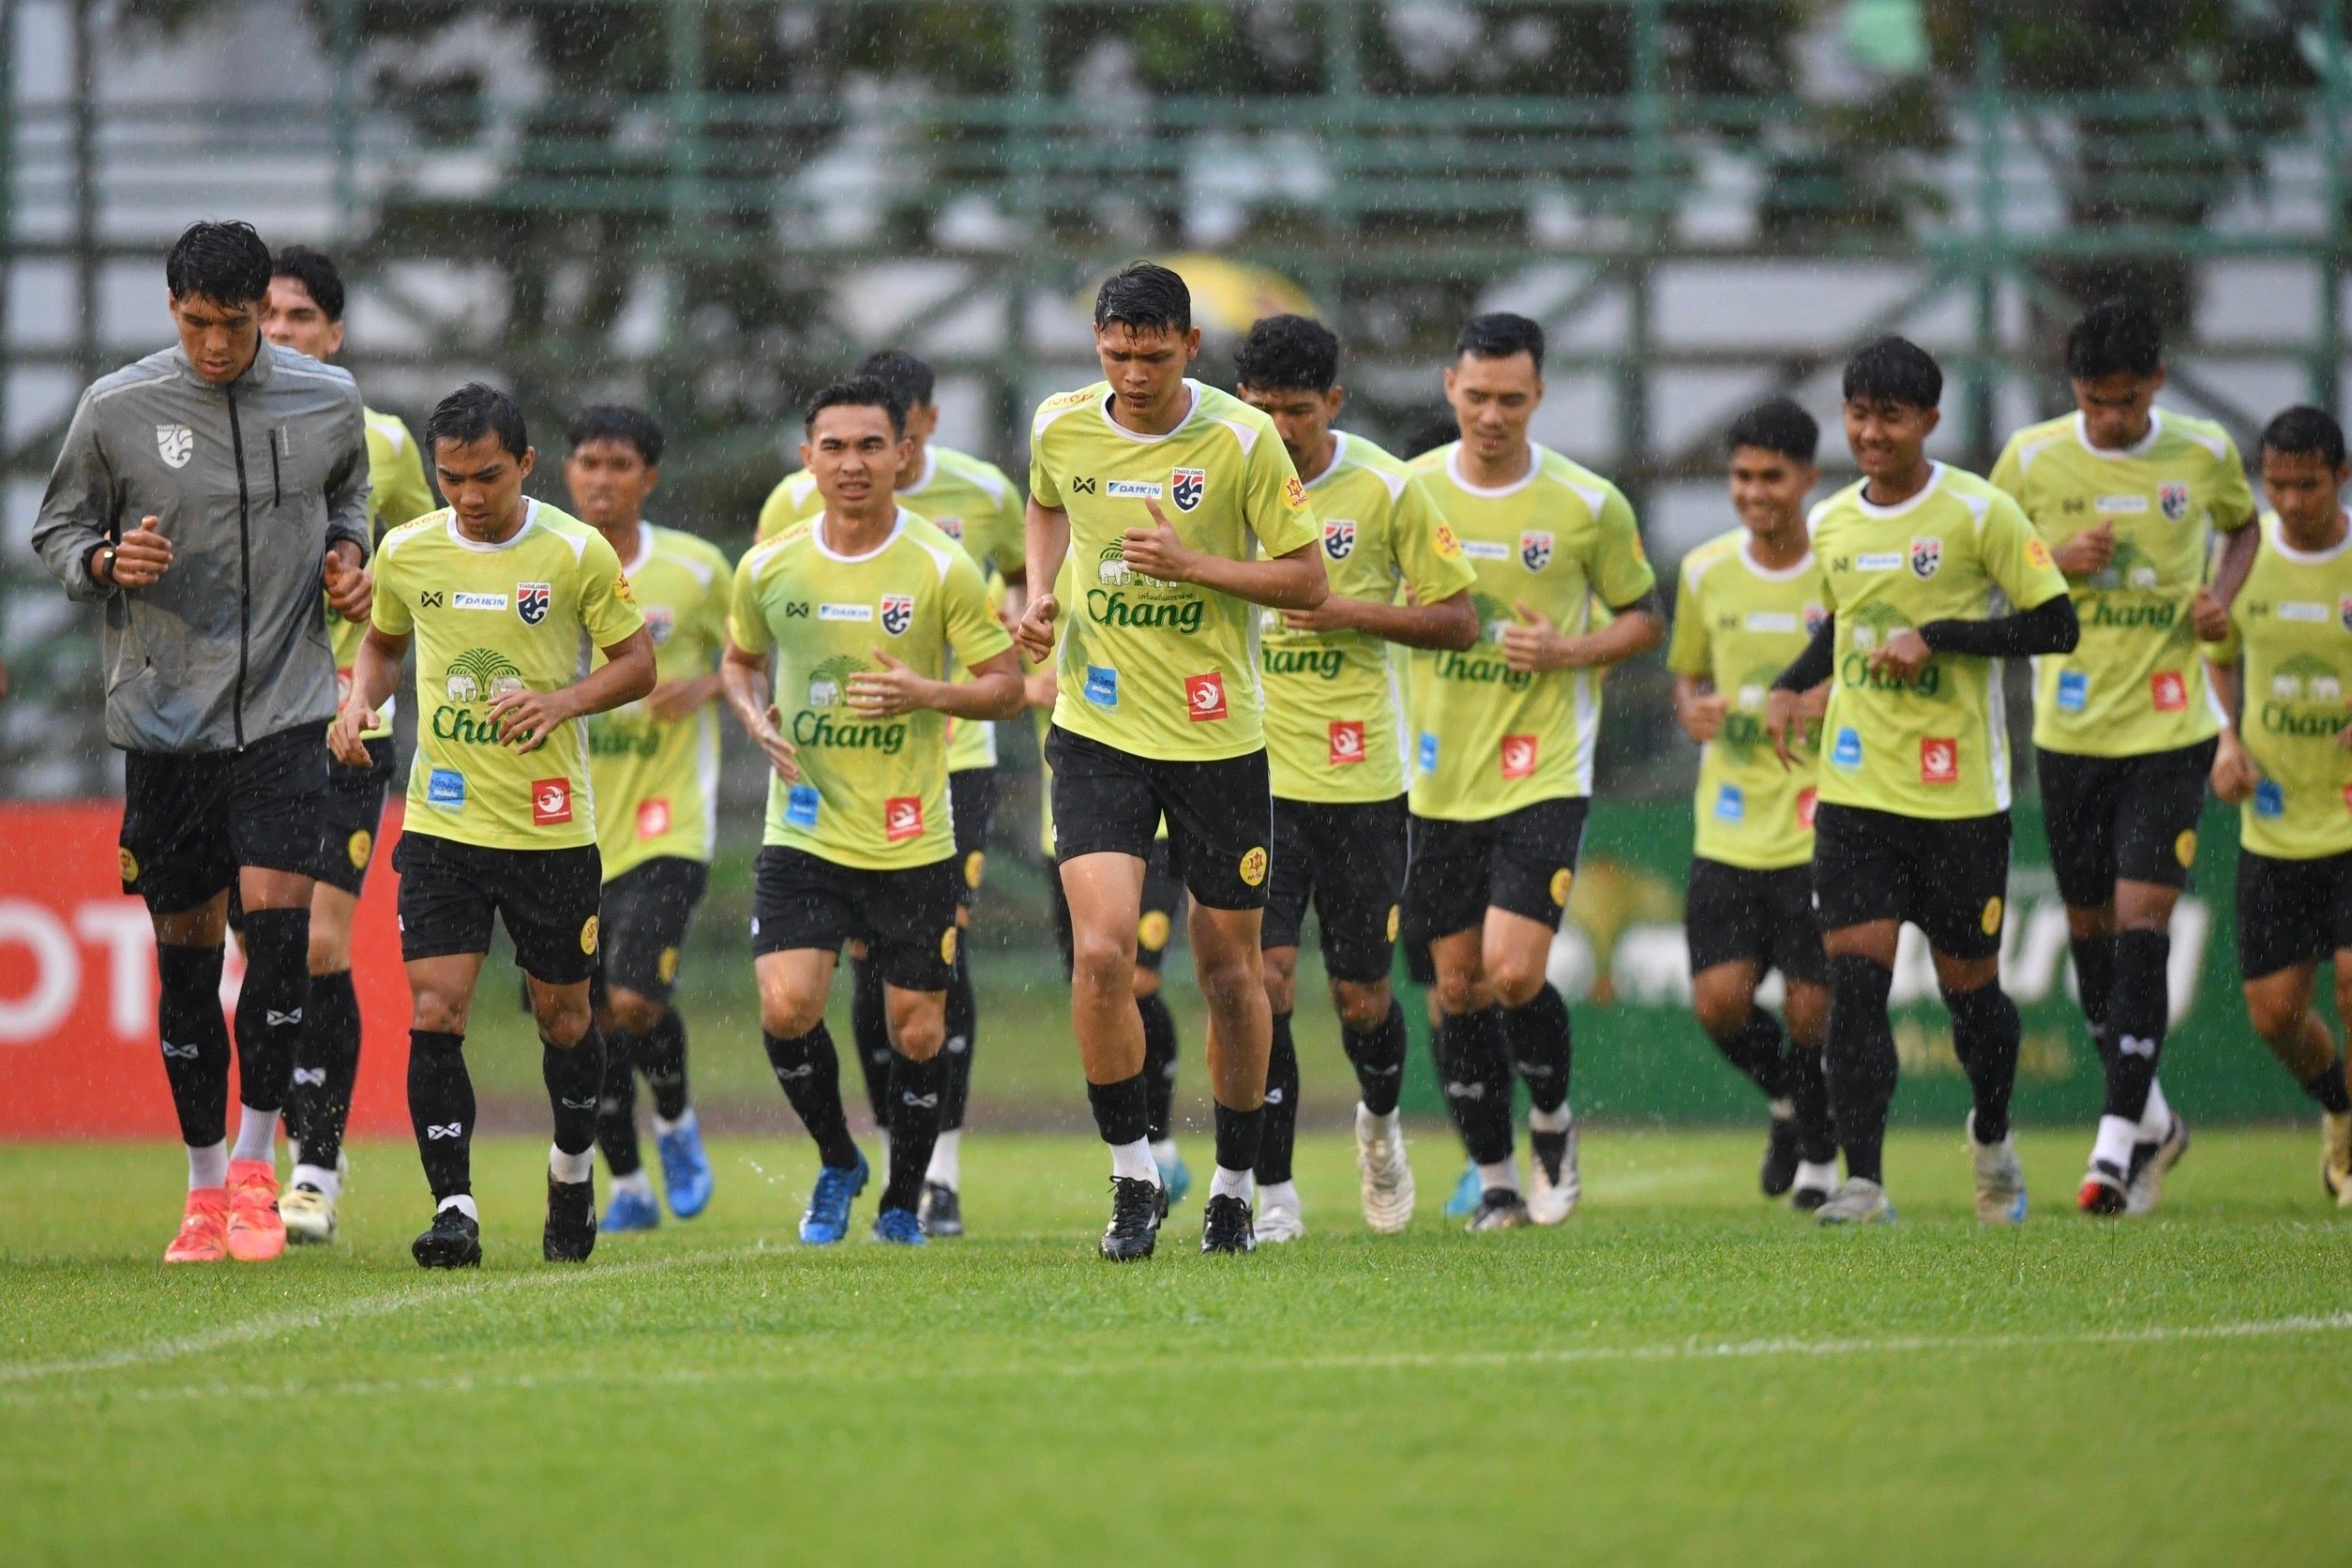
(397, 493)
(2291, 637)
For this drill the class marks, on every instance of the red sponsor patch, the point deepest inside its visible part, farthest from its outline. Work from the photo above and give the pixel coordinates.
(1204, 696)
(1347, 742)
(2169, 691)
(1807, 799)
(902, 818)
(1519, 756)
(653, 817)
(551, 801)
(1938, 760)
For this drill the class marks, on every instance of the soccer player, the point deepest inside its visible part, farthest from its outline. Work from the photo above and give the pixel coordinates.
(2127, 495)
(1502, 755)
(205, 494)
(863, 611)
(304, 311)
(972, 503)
(498, 590)
(1913, 814)
(1749, 600)
(1167, 492)
(1334, 746)
(2284, 761)
(655, 766)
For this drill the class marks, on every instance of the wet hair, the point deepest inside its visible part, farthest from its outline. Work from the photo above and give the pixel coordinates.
(1288, 353)
(1144, 296)
(1429, 433)
(899, 370)
(473, 411)
(2305, 430)
(2116, 336)
(1499, 335)
(617, 422)
(225, 262)
(316, 273)
(1895, 370)
(1777, 425)
(857, 392)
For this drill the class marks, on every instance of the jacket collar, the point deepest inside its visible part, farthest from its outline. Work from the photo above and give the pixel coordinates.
(257, 375)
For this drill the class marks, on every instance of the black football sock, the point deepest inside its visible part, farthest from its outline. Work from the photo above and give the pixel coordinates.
(441, 1110)
(1756, 1049)
(915, 1111)
(326, 1068)
(270, 1005)
(1985, 1035)
(660, 1054)
(810, 1074)
(963, 1039)
(1378, 1055)
(1862, 1066)
(2094, 984)
(195, 1040)
(1159, 1063)
(1121, 1109)
(2137, 1013)
(1809, 1090)
(1279, 1130)
(2330, 1089)
(573, 1077)
(1540, 1047)
(1240, 1136)
(616, 1106)
(1476, 1073)
(870, 1032)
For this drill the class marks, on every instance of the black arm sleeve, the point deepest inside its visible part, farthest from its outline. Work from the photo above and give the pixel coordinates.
(1814, 665)
(1647, 604)
(2048, 627)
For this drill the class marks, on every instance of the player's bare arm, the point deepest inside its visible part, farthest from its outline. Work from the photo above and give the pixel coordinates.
(1534, 645)
(994, 691)
(1046, 543)
(524, 719)
(1698, 707)
(2086, 555)
(374, 676)
(1293, 580)
(2233, 773)
(743, 679)
(1451, 624)
(2240, 546)
(671, 700)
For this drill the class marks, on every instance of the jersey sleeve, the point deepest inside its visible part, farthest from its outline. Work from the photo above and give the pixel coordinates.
(1620, 569)
(1688, 651)
(388, 611)
(1274, 502)
(2015, 556)
(1041, 490)
(2009, 474)
(975, 635)
(710, 618)
(775, 512)
(1427, 553)
(1009, 550)
(747, 625)
(405, 496)
(2233, 498)
(608, 612)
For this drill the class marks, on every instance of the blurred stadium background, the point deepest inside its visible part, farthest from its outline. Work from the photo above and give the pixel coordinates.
(711, 206)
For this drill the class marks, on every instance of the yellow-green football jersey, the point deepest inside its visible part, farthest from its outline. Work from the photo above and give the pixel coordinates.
(2291, 637)
(489, 620)
(1334, 729)
(1165, 670)
(873, 792)
(970, 501)
(657, 778)
(1938, 745)
(1488, 740)
(1738, 624)
(397, 493)
(2133, 684)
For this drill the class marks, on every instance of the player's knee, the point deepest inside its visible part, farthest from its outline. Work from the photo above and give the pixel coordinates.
(1101, 965)
(439, 1013)
(1515, 980)
(1360, 1005)
(562, 1018)
(917, 1033)
(789, 1014)
(2273, 1017)
(1282, 988)
(633, 1010)
(1721, 1012)
(330, 949)
(1228, 979)
(1462, 991)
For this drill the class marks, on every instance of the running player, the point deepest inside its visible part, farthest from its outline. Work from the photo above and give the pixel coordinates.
(2127, 496)
(972, 503)
(2285, 761)
(1159, 712)
(1336, 749)
(1913, 820)
(498, 591)
(655, 766)
(304, 311)
(1502, 755)
(862, 611)
(1749, 600)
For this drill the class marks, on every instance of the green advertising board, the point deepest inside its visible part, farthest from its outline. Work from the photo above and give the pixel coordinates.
(1622, 963)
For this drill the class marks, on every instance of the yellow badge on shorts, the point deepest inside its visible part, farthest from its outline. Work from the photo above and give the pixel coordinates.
(362, 844)
(127, 863)
(1152, 930)
(1254, 867)
(1561, 880)
(2184, 849)
(975, 866)
(1991, 919)
(667, 965)
(948, 945)
(1392, 915)
(588, 936)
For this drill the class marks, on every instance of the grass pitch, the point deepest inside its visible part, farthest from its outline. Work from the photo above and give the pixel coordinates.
(1681, 1372)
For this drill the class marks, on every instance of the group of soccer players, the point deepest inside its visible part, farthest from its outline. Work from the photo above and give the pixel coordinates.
(1202, 596)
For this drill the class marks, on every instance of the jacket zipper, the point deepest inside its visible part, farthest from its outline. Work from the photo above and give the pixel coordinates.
(276, 481)
(244, 571)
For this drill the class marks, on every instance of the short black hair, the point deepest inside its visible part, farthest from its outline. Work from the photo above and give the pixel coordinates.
(1144, 296)
(315, 273)
(857, 392)
(2303, 429)
(617, 422)
(225, 262)
(1288, 353)
(1777, 425)
(473, 411)
(1896, 369)
(2116, 336)
(1499, 335)
(1441, 429)
(901, 371)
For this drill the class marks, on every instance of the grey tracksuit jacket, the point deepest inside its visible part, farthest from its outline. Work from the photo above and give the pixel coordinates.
(253, 481)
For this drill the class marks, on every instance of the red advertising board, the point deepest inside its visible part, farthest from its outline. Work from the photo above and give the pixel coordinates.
(78, 1041)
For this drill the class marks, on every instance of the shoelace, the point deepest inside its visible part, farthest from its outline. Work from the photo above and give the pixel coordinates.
(1133, 1204)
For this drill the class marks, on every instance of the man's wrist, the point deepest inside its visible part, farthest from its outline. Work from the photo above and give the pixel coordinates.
(99, 564)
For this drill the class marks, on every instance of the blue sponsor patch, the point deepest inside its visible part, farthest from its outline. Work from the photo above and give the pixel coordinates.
(2073, 690)
(1731, 805)
(2269, 799)
(446, 788)
(1102, 686)
(1429, 752)
(800, 805)
(1848, 753)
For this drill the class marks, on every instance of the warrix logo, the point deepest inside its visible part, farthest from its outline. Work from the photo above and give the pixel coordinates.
(437, 1130)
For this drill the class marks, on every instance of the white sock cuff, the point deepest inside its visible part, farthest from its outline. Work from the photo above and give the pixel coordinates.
(663, 1127)
(571, 1168)
(1132, 1162)
(319, 1177)
(2117, 1134)
(463, 1203)
(1229, 1184)
(207, 1165)
(256, 1135)
(1550, 1121)
(1821, 1178)
(635, 1181)
(2156, 1116)
(1504, 1175)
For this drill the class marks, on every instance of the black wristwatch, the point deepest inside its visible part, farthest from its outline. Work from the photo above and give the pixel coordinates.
(102, 567)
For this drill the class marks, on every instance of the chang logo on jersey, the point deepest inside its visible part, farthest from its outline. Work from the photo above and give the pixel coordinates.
(613, 736)
(827, 682)
(2306, 700)
(1324, 662)
(822, 730)
(1186, 486)
(1927, 557)
(1339, 537)
(175, 444)
(897, 613)
(1481, 669)
(1876, 623)
(476, 675)
(1535, 549)
(2172, 499)
(533, 600)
